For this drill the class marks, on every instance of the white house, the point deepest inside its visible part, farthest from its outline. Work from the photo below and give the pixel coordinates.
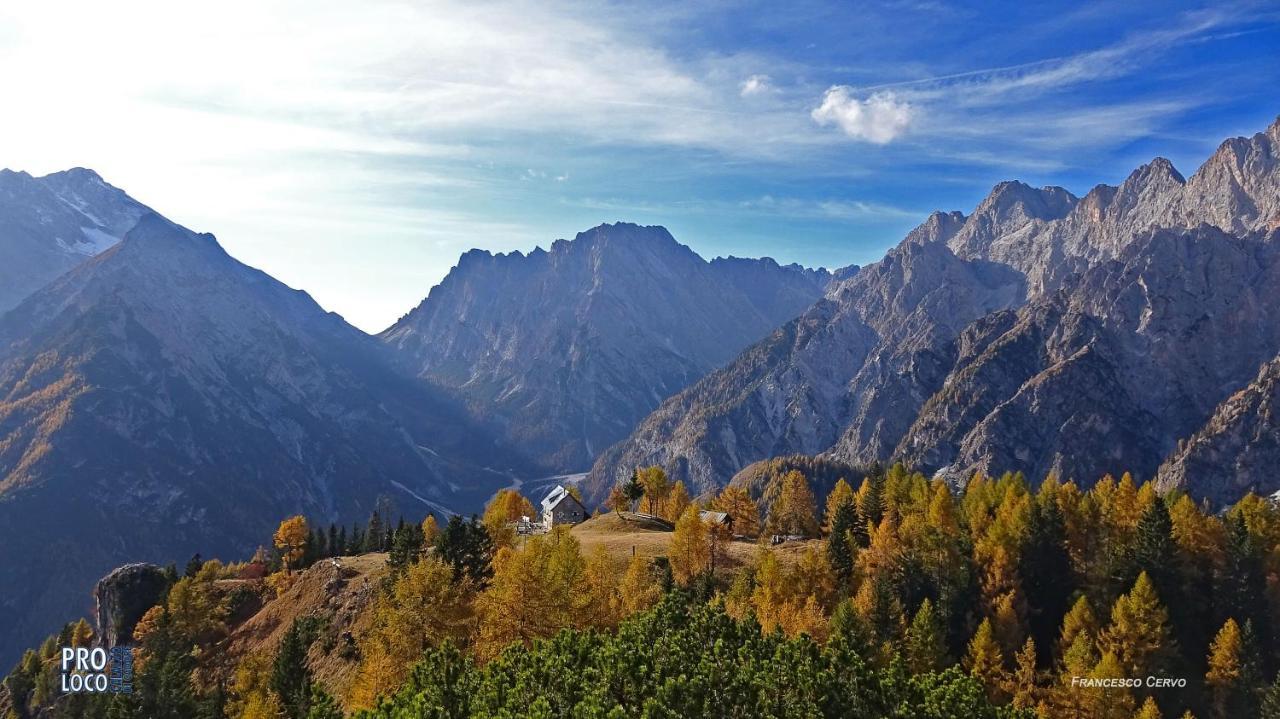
(560, 507)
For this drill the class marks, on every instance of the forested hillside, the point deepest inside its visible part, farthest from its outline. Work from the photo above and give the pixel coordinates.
(898, 598)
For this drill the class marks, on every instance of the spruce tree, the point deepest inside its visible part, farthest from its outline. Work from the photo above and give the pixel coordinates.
(290, 676)
(1047, 577)
(373, 540)
(840, 543)
(926, 650)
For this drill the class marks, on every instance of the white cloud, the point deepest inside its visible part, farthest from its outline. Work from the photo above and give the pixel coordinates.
(880, 118)
(755, 85)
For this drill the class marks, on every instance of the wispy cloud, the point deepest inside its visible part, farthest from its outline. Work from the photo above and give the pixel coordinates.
(755, 85)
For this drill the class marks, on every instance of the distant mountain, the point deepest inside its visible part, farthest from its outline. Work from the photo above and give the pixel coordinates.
(1044, 332)
(50, 224)
(565, 350)
(162, 399)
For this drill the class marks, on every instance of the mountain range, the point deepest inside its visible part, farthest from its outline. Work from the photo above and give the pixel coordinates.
(1043, 332)
(163, 399)
(159, 398)
(565, 350)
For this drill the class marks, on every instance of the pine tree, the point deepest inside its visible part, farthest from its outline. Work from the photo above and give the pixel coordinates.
(466, 546)
(193, 565)
(926, 645)
(1269, 708)
(334, 544)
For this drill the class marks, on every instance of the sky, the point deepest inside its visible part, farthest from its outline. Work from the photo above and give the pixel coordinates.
(356, 149)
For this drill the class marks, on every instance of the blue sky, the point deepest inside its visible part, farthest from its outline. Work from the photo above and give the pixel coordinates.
(355, 150)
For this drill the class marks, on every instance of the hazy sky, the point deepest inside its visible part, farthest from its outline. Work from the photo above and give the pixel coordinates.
(356, 149)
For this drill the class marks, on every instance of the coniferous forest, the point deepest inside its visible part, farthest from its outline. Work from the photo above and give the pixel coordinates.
(898, 597)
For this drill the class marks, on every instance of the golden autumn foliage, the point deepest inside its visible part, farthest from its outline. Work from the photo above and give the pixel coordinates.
(675, 503)
(251, 695)
(426, 605)
(639, 589)
(1138, 636)
(737, 503)
(840, 494)
(653, 480)
(291, 539)
(504, 509)
(985, 661)
(536, 591)
(690, 550)
(794, 511)
(430, 530)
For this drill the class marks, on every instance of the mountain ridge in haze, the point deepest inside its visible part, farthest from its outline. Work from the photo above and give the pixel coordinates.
(163, 399)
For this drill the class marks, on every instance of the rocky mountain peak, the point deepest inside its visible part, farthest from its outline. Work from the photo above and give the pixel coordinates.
(938, 227)
(50, 224)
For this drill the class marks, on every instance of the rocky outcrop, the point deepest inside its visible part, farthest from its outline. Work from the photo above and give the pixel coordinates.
(565, 350)
(1237, 450)
(122, 597)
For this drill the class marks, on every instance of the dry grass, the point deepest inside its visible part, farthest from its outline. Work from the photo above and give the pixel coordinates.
(628, 536)
(344, 603)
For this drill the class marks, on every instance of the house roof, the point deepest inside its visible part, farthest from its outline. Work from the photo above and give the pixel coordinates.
(714, 517)
(557, 495)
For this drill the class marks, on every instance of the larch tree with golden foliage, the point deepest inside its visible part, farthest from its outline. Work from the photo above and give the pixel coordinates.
(501, 514)
(840, 494)
(535, 592)
(676, 502)
(430, 530)
(1138, 636)
(690, 550)
(618, 501)
(656, 487)
(794, 511)
(1233, 672)
(291, 540)
(985, 661)
(737, 503)
(425, 607)
(639, 589)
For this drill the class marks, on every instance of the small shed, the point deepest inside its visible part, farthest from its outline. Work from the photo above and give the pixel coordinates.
(717, 520)
(560, 507)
